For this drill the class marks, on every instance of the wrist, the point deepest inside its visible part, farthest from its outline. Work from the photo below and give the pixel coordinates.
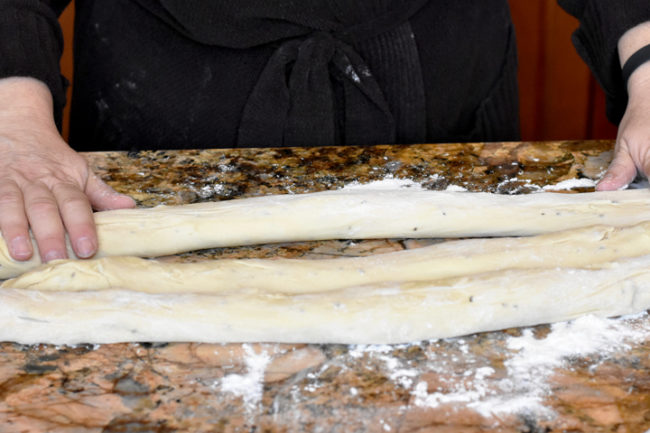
(632, 55)
(638, 86)
(25, 96)
(640, 78)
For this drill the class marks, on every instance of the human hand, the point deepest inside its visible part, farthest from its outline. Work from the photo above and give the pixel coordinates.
(44, 184)
(632, 151)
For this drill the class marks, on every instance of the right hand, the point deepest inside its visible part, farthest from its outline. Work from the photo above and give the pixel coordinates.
(632, 151)
(44, 184)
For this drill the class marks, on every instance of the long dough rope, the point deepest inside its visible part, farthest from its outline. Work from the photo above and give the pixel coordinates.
(591, 247)
(390, 313)
(353, 214)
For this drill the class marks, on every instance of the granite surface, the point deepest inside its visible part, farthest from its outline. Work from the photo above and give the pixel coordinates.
(476, 383)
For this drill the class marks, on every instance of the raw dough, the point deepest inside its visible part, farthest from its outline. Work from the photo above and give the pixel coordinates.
(389, 313)
(350, 214)
(589, 247)
(445, 290)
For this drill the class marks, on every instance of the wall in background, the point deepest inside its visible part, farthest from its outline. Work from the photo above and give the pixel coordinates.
(559, 98)
(67, 25)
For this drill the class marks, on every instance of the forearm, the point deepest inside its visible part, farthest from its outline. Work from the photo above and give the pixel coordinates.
(31, 44)
(633, 40)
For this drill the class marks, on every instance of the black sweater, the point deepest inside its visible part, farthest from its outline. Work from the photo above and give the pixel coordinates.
(216, 73)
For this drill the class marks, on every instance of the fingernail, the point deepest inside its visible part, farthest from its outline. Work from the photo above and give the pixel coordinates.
(20, 248)
(85, 248)
(53, 255)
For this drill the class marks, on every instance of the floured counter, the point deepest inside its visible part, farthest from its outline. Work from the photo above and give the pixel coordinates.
(586, 375)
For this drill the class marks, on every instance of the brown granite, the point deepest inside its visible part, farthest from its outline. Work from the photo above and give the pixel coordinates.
(188, 176)
(330, 388)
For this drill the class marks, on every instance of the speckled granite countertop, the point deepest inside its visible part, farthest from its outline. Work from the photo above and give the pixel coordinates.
(532, 380)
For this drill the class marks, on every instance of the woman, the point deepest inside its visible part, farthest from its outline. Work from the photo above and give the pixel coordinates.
(211, 73)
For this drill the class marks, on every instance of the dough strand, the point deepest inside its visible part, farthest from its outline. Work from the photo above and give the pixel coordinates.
(380, 314)
(349, 214)
(590, 247)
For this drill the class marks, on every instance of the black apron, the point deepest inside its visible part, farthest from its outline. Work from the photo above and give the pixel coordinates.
(209, 73)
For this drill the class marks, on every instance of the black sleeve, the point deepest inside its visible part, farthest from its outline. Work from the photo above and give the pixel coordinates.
(602, 23)
(31, 44)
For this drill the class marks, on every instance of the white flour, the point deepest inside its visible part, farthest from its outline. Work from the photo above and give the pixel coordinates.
(393, 183)
(456, 188)
(570, 184)
(532, 362)
(249, 386)
(390, 183)
(529, 187)
(396, 369)
(520, 389)
(529, 365)
(387, 183)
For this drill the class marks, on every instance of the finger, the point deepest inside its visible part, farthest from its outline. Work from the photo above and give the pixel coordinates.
(77, 216)
(13, 221)
(45, 221)
(620, 173)
(103, 197)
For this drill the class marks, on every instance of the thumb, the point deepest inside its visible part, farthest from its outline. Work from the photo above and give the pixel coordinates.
(644, 162)
(103, 197)
(620, 173)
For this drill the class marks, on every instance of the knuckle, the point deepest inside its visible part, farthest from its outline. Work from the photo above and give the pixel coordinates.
(70, 203)
(41, 205)
(10, 197)
(64, 186)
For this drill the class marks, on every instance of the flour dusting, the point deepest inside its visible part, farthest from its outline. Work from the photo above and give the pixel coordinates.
(531, 362)
(396, 369)
(388, 183)
(249, 386)
(571, 184)
(464, 391)
(391, 183)
(456, 188)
